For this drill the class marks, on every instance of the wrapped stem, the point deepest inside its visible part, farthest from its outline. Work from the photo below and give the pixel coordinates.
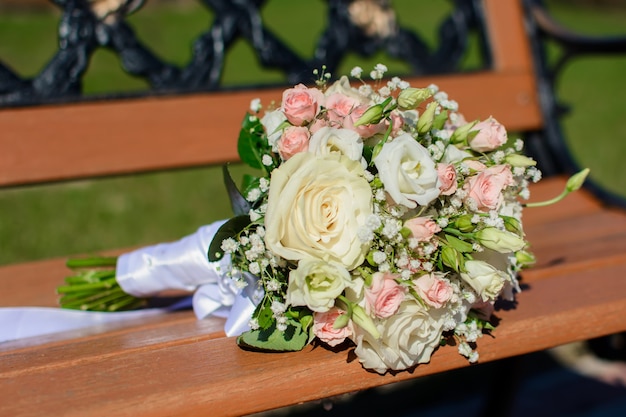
(93, 287)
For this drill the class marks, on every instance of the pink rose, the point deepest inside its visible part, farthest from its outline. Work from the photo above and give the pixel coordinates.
(485, 188)
(324, 330)
(339, 107)
(455, 120)
(365, 131)
(397, 123)
(434, 291)
(491, 135)
(384, 296)
(422, 228)
(301, 104)
(474, 165)
(483, 309)
(317, 124)
(447, 178)
(295, 139)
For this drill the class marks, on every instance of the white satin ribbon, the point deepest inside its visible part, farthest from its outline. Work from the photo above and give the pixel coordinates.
(20, 322)
(181, 265)
(225, 299)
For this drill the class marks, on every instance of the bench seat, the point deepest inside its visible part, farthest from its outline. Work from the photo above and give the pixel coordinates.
(174, 364)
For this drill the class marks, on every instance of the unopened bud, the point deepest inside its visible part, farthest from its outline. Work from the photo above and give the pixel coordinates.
(451, 258)
(513, 225)
(425, 122)
(517, 160)
(373, 115)
(464, 223)
(460, 134)
(361, 319)
(410, 98)
(524, 258)
(499, 240)
(341, 321)
(576, 181)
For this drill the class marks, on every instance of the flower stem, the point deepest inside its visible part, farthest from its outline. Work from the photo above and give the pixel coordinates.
(93, 286)
(92, 262)
(107, 283)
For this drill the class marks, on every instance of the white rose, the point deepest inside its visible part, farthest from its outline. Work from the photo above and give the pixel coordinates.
(271, 121)
(407, 171)
(316, 284)
(485, 279)
(345, 141)
(452, 154)
(502, 262)
(342, 86)
(316, 206)
(408, 338)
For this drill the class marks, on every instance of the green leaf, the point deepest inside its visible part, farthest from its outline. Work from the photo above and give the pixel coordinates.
(264, 315)
(272, 339)
(368, 151)
(229, 229)
(238, 203)
(252, 143)
(459, 244)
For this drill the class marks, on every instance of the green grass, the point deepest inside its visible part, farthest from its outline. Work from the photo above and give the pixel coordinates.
(89, 216)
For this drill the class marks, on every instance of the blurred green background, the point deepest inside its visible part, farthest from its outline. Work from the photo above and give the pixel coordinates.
(88, 216)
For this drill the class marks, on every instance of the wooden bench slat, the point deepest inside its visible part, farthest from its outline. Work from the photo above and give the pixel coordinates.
(568, 240)
(109, 137)
(196, 376)
(579, 229)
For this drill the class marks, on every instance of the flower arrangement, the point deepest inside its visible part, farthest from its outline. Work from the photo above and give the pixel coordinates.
(382, 217)
(379, 218)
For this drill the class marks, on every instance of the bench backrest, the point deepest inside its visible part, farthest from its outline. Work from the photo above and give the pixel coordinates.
(100, 138)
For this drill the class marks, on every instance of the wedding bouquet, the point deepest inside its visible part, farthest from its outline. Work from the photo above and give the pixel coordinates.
(380, 218)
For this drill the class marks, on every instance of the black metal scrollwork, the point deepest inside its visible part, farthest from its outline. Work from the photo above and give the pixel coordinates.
(361, 26)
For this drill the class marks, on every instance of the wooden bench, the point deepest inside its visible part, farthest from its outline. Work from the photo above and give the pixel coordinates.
(176, 365)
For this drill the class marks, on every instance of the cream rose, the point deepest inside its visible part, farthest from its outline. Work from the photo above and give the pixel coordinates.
(486, 280)
(316, 284)
(407, 171)
(316, 206)
(327, 140)
(502, 262)
(491, 135)
(342, 86)
(408, 338)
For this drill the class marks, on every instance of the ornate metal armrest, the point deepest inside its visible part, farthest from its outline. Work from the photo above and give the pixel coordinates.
(549, 146)
(572, 43)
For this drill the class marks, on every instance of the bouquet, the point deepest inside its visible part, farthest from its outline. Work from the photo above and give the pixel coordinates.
(380, 218)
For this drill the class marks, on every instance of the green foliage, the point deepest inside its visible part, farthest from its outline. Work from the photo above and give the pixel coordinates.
(252, 143)
(231, 228)
(238, 202)
(268, 338)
